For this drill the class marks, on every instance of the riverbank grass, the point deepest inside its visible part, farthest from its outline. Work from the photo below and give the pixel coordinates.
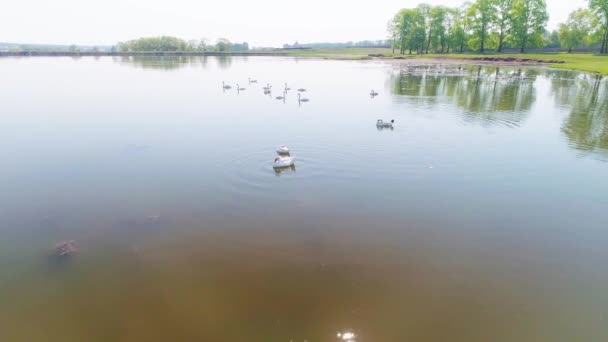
(571, 61)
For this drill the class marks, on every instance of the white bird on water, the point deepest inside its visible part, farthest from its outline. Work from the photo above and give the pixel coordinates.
(373, 93)
(280, 162)
(302, 99)
(225, 86)
(282, 149)
(381, 123)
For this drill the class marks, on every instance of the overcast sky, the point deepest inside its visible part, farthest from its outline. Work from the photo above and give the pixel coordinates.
(259, 22)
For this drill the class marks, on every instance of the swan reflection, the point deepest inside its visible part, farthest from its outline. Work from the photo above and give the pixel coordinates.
(284, 170)
(385, 128)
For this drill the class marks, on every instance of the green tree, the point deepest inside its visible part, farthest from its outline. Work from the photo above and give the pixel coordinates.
(461, 26)
(393, 28)
(192, 45)
(529, 20)
(437, 29)
(600, 8)
(482, 15)
(412, 31)
(154, 44)
(424, 13)
(203, 45)
(504, 20)
(223, 45)
(577, 30)
(553, 39)
(450, 24)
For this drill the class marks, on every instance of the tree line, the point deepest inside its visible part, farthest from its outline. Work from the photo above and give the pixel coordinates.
(172, 44)
(485, 25)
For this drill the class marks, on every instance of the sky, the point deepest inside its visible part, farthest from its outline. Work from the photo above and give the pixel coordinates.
(258, 22)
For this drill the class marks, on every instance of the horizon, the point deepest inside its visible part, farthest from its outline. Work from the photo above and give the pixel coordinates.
(111, 22)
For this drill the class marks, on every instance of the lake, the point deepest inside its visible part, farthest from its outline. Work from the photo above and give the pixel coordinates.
(481, 216)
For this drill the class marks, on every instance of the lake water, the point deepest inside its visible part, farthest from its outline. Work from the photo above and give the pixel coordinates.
(482, 216)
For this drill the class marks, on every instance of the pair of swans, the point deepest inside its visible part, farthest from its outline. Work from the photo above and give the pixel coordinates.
(227, 86)
(283, 159)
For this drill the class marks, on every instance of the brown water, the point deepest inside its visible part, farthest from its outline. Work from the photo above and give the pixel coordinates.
(480, 217)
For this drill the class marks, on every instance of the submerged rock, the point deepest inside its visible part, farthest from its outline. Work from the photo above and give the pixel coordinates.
(65, 248)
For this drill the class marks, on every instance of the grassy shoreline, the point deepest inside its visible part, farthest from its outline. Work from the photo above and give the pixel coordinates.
(593, 63)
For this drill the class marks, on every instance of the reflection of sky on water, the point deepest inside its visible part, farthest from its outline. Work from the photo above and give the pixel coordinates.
(480, 216)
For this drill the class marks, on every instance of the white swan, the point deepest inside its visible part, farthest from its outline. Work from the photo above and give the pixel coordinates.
(268, 87)
(280, 162)
(239, 88)
(286, 87)
(225, 86)
(381, 123)
(301, 90)
(282, 149)
(252, 81)
(373, 93)
(300, 99)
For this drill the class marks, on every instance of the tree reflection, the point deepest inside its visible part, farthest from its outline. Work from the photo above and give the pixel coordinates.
(224, 62)
(162, 62)
(587, 125)
(486, 95)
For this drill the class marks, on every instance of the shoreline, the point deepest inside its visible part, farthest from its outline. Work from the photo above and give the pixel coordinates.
(139, 54)
(589, 63)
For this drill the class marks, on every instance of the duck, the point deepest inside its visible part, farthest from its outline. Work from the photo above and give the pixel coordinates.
(252, 81)
(373, 93)
(268, 87)
(301, 90)
(301, 99)
(226, 86)
(282, 150)
(381, 123)
(280, 162)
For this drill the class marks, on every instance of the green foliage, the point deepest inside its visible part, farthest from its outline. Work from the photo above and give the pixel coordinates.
(172, 44)
(154, 44)
(504, 20)
(600, 9)
(495, 24)
(529, 20)
(424, 28)
(223, 45)
(482, 16)
(577, 30)
(552, 39)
